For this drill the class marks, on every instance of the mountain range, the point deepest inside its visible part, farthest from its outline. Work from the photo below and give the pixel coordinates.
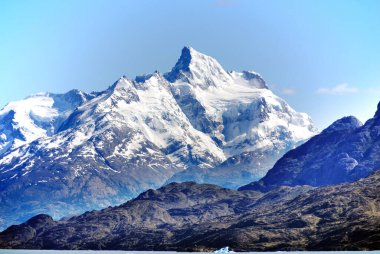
(320, 195)
(63, 154)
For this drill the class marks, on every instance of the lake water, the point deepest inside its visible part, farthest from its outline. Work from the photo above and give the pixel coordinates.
(164, 252)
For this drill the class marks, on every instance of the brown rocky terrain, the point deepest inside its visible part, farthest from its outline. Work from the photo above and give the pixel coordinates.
(196, 217)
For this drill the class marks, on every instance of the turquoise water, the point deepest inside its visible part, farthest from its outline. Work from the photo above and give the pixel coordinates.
(163, 252)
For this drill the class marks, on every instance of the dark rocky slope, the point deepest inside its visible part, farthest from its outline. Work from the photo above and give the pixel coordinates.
(344, 152)
(191, 216)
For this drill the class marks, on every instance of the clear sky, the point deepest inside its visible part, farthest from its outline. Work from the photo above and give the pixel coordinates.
(323, 57)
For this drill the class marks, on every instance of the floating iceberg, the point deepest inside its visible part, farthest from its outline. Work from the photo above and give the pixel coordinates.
(224, 250)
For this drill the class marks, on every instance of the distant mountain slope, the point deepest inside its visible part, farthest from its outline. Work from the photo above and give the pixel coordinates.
(344, 152)
(37, 116)
(193, 217)
(103, 149)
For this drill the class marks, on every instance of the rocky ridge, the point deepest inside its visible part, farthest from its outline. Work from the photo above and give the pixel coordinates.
(199, 217)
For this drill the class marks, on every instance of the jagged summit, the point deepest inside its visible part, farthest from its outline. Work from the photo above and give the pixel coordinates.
(182, 65)
(244, 118)
(201, 70)
(184, 60)
(197, 69)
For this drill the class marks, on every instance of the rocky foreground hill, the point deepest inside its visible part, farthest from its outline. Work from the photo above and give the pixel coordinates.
(195, 217)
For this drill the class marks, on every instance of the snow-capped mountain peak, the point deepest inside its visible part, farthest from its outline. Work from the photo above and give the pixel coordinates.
(197, 69)
(237, 109)
(123, 90)
(252, 125)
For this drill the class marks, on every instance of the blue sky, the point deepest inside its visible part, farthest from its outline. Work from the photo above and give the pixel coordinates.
(323, 57)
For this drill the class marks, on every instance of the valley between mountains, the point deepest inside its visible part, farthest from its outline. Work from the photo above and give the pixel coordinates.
(194, 159)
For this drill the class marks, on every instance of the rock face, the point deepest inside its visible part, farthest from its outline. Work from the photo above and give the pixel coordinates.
(76, 152)
(344, 152)
(194, 217)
